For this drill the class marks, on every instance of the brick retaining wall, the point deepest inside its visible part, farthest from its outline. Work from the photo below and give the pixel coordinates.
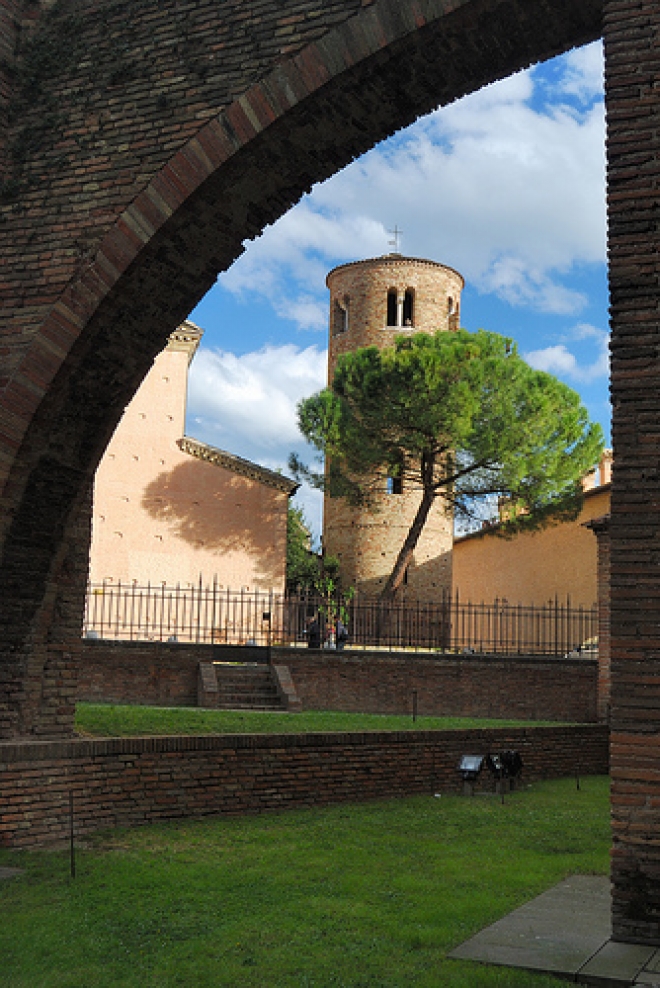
(128, 782)
(471, 686)
(151, 673)
(465, 686)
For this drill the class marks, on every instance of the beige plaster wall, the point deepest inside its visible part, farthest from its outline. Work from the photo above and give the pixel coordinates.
(161, 515)
(533, 568)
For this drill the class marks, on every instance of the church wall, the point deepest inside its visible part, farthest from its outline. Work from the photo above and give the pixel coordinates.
(163, 516)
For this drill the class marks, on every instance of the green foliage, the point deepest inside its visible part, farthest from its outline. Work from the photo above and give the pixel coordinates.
(305, 570)
(359, 896)
(334, 597)
(302, 565)
(458, 415)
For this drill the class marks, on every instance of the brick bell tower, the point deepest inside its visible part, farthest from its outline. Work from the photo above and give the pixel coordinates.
(371, 302)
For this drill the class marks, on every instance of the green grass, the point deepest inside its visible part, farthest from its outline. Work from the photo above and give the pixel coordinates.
(352, 896)
(107, 720)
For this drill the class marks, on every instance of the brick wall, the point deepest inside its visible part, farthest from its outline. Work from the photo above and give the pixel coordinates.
(631, 31)
(367, 542)
(466, 686)
(128, 782)
(471, 686)
(158, 674)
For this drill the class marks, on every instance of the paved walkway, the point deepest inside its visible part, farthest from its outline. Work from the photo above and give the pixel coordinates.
(566, 932)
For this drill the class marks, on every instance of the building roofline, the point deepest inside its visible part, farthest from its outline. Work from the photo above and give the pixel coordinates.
(221, 458)
(603, 489)
(186, 338)
(394, 259)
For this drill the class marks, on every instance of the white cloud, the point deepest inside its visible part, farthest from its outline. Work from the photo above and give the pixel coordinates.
(558, 359)
(288, 264)
(507, 185)
(247, 405)
(487, 183)
(512, 281)
(584, 72)
(249, 402)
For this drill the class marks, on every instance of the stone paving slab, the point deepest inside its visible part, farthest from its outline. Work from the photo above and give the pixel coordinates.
(650, 976)
(653, 965)
(616, 964)
(557, 933)
(566, 932)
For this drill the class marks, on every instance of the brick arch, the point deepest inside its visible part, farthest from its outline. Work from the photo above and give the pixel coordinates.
(310, 113)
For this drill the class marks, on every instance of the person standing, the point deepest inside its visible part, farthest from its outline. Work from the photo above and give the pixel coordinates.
(314, 633)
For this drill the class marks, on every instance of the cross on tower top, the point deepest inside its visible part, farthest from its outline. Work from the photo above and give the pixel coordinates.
(395, 242)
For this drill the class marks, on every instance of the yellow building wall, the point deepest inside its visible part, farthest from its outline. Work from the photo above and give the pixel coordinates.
(533, 568)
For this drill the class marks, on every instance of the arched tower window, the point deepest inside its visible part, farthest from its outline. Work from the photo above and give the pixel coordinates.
(409, 308)
(340, 316)
(392, 307)
(395, 478)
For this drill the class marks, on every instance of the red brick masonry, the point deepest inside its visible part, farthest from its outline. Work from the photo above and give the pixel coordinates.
(469, 686)
(127, 782)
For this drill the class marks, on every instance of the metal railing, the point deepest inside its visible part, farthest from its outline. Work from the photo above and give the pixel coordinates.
(209, 614)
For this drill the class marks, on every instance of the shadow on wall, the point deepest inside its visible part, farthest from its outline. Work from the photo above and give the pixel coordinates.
(221, 512)
(425, 582)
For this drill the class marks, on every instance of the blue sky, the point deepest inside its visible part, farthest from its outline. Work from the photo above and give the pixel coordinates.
(506, 185)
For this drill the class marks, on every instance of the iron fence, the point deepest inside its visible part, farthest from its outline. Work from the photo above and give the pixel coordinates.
(209, 614)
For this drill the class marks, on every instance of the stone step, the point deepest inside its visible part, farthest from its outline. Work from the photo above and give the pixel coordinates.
(245, 682)
(243, 673)
(250, 696)
(236, 705)
(246, 687)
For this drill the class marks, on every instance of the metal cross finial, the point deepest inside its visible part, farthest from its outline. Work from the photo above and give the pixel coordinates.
(396, 238)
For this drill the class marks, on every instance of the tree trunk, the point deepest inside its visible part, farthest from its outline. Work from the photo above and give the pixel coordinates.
(395, 578)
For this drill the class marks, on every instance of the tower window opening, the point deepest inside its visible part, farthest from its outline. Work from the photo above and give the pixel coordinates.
(409, 308)
(392, 308)
(340, 316)
(394, 485)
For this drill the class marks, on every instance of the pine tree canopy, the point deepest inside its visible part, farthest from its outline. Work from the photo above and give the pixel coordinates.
(458, 415)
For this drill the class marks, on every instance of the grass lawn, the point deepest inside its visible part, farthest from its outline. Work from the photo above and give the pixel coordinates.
(108, 720)
(353, 896)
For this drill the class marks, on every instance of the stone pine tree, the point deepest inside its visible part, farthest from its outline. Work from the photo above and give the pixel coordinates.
(463, 418)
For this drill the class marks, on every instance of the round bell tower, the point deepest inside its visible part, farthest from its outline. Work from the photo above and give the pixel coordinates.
(372, 302)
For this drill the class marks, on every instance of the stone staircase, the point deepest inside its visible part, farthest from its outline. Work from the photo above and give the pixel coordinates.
(245, 686)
